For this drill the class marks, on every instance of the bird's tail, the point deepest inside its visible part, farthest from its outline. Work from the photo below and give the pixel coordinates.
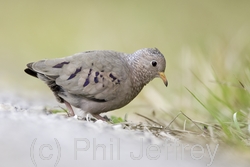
(48, 80)
(30, 70)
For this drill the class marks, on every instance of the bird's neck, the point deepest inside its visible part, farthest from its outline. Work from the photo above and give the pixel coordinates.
(139, 75)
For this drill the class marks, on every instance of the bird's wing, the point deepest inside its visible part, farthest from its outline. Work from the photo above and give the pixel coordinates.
(97, 75)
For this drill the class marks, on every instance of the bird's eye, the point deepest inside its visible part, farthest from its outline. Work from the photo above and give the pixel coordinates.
(154, 63)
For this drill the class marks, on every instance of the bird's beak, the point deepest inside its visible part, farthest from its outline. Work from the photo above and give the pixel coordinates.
(163, 77)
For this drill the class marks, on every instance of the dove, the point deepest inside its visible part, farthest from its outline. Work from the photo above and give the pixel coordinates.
(99, 81)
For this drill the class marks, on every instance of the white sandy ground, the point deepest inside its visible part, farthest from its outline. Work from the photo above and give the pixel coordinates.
(29, 137)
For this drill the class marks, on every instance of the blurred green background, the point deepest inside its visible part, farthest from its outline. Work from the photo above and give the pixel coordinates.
(204, 41)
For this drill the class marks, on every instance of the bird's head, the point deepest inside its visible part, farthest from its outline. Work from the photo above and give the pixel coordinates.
(151, 63)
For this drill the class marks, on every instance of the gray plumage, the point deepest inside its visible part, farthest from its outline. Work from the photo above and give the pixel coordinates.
(99, 81)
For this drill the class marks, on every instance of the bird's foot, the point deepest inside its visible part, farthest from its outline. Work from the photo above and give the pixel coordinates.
(98, 117)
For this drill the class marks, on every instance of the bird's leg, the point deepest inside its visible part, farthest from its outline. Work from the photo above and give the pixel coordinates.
(97, 116)
(70, 109)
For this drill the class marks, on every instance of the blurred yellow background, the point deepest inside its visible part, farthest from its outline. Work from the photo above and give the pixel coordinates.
(195, 36)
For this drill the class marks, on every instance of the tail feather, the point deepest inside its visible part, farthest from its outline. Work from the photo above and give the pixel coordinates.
(50, 81)
(30, 65)
(31, 72)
